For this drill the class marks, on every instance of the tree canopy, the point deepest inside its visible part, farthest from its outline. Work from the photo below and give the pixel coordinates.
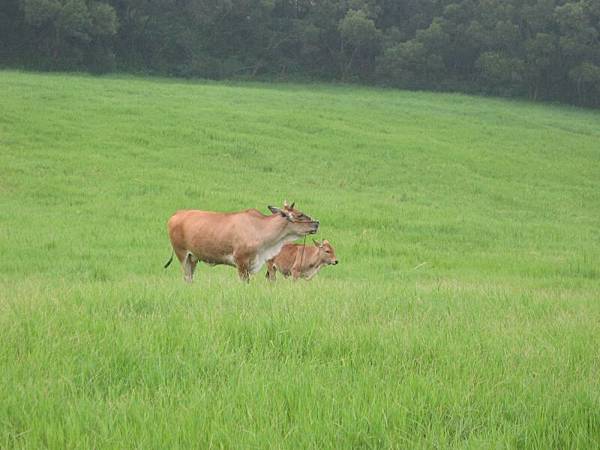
(541, 49)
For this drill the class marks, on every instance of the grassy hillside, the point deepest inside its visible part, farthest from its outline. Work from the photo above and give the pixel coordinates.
(464, 311)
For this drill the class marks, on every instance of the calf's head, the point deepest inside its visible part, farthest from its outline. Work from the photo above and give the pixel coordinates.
(299, 223)
(326, 252)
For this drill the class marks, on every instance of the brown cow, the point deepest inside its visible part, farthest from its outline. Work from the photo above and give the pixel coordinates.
(301, 261)
(244, 239)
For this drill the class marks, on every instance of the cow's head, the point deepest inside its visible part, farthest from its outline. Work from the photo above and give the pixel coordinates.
(326, 252)
(299, 223)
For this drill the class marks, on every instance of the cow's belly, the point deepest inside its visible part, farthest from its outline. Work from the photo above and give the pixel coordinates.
(214, 260)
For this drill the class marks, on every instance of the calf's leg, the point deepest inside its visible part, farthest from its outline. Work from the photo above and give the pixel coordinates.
(271, 271)
(296, 274)
(296, 270)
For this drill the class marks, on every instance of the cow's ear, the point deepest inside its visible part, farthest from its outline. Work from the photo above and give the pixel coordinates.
(275, 210)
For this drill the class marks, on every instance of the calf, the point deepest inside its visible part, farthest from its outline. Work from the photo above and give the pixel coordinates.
(301, 261)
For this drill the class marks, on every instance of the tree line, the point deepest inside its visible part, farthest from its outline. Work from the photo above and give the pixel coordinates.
(541, 49)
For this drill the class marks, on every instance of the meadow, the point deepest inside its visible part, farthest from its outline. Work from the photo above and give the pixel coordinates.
(464, 313)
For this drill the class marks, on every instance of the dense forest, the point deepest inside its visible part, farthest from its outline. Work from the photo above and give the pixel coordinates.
(541, 49)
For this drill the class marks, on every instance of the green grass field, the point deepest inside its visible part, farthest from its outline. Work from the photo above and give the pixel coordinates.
(464, 313)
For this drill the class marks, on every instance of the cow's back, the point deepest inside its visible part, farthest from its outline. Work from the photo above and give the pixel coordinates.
(184, 223)
(206, 234)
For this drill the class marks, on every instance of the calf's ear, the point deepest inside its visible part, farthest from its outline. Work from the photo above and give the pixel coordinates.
(317, 243)
(274, 210)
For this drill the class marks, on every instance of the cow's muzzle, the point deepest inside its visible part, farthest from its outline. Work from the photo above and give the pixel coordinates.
(314, 227)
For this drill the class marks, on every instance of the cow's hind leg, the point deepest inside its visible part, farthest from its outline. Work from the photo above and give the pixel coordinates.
(189, 265)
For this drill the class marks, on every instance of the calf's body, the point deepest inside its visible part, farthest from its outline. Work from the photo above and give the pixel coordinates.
(300, 261)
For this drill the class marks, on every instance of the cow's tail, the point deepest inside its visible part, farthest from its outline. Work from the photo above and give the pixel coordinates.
(168, 263)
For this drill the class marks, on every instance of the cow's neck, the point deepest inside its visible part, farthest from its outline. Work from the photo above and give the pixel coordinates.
(277, 231)
(274, 234)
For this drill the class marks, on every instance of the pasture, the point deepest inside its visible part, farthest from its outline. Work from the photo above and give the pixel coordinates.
(464, 313)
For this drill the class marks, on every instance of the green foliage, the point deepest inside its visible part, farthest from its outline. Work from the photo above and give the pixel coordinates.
(587, 78)
(500, 70)
(41, 12)
(464, 312)
(409, 64)
(358, 31)
(72, 34)
(360, 41)
(104, 21)
(446, 44)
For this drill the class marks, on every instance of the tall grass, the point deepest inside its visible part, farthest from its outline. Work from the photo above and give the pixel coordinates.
(464, 311)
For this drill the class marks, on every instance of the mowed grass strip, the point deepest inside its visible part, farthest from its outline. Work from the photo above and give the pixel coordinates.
(464, 311)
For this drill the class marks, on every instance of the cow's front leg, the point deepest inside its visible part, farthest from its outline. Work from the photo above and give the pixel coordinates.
(243, 266)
